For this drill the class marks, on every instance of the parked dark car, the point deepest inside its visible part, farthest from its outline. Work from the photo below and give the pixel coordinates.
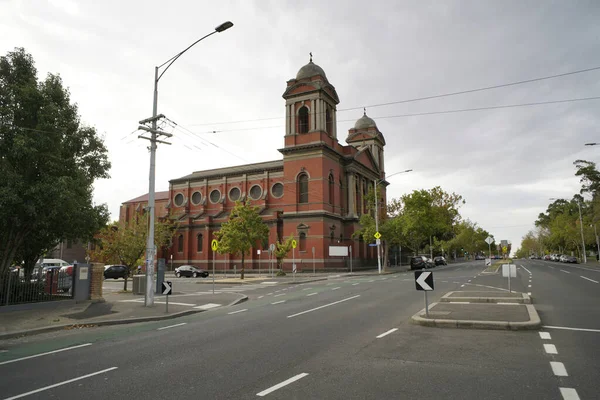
(190, 270)
(570, 259)
(421, 262)
(115, 271)
(440, 260)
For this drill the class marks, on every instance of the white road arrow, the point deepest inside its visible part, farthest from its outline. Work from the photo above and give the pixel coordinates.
(421, 280)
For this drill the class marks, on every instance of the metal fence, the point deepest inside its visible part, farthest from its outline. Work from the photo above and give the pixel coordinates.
(43, 285)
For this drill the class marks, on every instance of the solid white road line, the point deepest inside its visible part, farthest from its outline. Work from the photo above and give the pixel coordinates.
(509, 304)
(280, 294)
(282, 384)
(550, 349)
(591, 280)
(238, 311)
(308, 288)
(260, 297)
(207, 306)
(565, 328)
(326, 305)
(335, 288)
(545, 335)
(60, 384)
(354, 284)
(526, 269)
(558, 368)
(279, 302)
(460, 302)
(386, 333)
(175, 304)
(45, 354)
(569, 394)
(311, 294)
(171, 326)
(566, 272)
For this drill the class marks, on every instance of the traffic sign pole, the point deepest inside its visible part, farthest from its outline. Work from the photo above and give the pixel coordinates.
(167, 309)
(426, 305)
(314, 269)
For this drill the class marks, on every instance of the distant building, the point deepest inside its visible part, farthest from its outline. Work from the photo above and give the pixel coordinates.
(316, 192)
(70, 251)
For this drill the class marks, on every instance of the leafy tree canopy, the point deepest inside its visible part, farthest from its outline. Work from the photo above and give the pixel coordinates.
(244, 230)
(48, 163)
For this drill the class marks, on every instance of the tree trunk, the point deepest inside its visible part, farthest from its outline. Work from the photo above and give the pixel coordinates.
(125, 284)
(242, 273)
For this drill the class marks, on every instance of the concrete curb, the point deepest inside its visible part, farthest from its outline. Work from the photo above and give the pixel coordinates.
(37, 331)
(524, 299)
(533, 323)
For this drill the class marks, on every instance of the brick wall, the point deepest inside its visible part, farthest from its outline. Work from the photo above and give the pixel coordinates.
(97, 271)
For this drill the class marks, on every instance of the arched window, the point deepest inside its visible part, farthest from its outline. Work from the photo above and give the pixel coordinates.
(328, 122)
(302, 241)
(303, 120)
(199, 240)
(331, 189)
(180, 244)
(303, 188)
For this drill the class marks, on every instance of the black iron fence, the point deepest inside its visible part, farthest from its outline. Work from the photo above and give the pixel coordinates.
(46, 284)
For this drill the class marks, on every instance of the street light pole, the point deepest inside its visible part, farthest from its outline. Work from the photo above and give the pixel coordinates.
(378, 241)
(581, 226)
(149, 298)
(597, 242)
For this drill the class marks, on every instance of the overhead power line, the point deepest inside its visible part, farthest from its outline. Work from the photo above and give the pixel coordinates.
(437, 96)
(539, 103)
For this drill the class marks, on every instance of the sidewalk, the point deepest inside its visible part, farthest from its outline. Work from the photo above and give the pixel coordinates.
(117, 309)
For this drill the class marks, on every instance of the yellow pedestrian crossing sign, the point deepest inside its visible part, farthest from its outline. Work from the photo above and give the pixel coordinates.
(294, 244)
(504, 249)
(377, 235)
(214, 244)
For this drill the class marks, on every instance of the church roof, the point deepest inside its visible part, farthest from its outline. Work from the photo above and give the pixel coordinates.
(309, 70)
(365, 122)
(235, 170)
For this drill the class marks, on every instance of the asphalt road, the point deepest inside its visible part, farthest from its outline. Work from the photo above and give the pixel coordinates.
(343, 338)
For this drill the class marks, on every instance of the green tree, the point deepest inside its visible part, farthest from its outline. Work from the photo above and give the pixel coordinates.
(244, 229)
(49, 161)
(282, 249)
(125, 243)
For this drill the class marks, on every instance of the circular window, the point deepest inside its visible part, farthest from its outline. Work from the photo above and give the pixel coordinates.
(234, 194)
(196, 198)
(178, 200)
(215, 196)
(255, 192)
(277, 190)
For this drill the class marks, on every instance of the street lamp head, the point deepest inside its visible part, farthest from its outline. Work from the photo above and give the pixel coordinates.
(224, 26)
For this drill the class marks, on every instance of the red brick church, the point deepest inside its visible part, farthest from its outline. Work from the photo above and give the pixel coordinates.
(316, 192)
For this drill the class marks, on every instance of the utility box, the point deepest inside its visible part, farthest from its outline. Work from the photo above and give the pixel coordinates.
(139, 284)
(160, 275)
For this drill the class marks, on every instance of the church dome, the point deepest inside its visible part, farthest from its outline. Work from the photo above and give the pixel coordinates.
(309, 70)
(365, 122)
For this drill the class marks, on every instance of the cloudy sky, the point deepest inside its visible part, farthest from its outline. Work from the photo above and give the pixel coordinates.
(225, 93)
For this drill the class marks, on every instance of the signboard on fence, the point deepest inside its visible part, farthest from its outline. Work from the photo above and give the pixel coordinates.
(339, 251)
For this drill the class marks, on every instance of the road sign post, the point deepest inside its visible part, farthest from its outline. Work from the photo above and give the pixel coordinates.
(314, 269)
(509, 270)
(272, 251)
(350, 250)
(424, 282)
(294, 244)
(489, 240)
(258, 252)
(214, 246)
(167, 288)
